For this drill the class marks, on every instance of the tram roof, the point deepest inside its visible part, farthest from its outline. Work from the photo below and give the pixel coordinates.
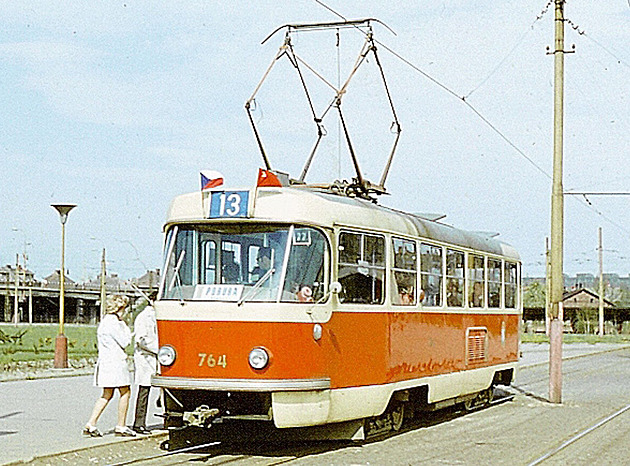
(314, 207)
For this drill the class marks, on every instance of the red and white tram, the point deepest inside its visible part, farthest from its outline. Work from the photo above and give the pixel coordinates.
(293, 309)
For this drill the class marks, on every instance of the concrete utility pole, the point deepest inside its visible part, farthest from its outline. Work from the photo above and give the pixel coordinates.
(30, 305)
(548, 286)
(103, 297)
(601, 284)
(557, 216)
(16, 299)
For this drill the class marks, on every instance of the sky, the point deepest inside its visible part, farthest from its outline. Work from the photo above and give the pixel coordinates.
(116, 106)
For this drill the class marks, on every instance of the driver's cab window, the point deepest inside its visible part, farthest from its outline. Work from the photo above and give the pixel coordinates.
(261, 258)
(209, 271)
(361, 268)
(246, 262)
(307, 268)
(231, 270)
(265, 263)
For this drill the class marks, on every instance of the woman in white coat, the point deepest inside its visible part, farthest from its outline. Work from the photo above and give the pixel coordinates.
(111, 368)
(145, 360)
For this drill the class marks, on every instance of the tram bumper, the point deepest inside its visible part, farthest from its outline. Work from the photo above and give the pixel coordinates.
(303, 408)
(292, 402)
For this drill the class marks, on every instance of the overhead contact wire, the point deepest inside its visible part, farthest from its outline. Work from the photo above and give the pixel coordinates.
(450, 91)
(475, 111)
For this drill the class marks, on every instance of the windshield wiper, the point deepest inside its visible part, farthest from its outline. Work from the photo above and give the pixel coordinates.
(254, 289)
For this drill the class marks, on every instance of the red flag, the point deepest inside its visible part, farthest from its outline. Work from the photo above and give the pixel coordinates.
(267, 178)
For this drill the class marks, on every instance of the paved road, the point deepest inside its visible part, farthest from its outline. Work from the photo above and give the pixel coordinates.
(40, 417)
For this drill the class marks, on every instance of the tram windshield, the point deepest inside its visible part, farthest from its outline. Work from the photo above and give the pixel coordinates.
(245, 262)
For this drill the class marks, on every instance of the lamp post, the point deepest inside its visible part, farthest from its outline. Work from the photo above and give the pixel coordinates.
(61, 342)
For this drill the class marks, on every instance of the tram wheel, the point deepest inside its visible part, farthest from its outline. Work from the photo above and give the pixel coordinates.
(398, 416)
(489, 395)
(469, 404)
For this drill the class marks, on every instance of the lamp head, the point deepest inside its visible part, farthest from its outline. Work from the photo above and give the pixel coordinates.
(63, 209)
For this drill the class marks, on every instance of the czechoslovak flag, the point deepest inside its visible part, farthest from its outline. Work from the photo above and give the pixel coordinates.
(267, 178)
(210, 179)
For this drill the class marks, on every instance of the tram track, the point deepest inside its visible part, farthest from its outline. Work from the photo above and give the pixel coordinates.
(577, 356)
(565, 371)
(579, 436)
(166, 454)
(219, 453)
(572, 424)
(272, 455)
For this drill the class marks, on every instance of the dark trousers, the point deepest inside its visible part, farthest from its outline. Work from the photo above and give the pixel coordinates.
(141, 406)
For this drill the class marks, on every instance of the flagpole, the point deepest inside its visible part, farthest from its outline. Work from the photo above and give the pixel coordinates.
(260, 171)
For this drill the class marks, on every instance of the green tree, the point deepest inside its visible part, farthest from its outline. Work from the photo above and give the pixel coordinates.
(534, 295)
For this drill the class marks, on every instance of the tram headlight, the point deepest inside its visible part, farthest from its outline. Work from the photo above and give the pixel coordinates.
(166, 355)
(258, 358)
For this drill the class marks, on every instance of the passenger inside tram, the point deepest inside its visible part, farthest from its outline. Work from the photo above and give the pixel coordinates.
(361, 289)
(263, 264)
(231, 270)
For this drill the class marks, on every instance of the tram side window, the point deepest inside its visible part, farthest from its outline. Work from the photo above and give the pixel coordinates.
(494, 283)
(476, 280)
(510, 277)
(361, 268)
(431, 274)
(404, 270)
(454, 278)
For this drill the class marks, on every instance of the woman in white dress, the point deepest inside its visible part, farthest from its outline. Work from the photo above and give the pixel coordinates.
(111, 368)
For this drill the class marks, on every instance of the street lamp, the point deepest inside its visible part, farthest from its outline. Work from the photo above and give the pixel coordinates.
(61, 342)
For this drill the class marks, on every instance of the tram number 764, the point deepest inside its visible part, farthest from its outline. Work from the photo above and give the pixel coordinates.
(211, 361)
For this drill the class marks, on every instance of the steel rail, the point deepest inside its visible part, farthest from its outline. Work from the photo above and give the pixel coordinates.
(163, 455)
(577, 437)
(496, 401)
(577, 356)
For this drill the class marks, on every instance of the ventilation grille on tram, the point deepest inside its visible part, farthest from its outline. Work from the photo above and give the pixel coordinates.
(476, 345)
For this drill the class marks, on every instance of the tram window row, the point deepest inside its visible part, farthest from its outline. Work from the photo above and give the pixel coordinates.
(431, 274)
(275, 263)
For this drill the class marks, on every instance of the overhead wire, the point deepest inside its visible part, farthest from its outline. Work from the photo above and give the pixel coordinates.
(516, 45)
(452, 93)
(448, 90)
(582, 32)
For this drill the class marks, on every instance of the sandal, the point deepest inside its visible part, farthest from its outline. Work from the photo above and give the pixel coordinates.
(124, 432)
(91, 431)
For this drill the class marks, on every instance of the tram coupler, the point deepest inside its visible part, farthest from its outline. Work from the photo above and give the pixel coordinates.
(200, 417)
